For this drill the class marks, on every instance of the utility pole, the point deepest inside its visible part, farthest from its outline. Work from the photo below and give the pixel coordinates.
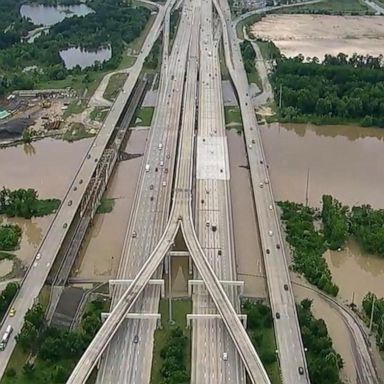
(372, 310)
(307, 189)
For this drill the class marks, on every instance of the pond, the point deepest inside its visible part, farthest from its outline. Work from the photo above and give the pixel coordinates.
(77, 56)
(49, 15)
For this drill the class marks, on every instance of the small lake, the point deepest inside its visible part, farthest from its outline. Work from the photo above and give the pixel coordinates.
(49, 15)
(78, 56)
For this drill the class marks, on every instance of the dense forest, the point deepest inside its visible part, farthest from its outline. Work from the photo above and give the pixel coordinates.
(339, 89)
(112, 24)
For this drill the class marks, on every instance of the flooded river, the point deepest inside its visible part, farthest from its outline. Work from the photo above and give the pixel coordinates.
(343, 161)
(48, 166)
(101, 252)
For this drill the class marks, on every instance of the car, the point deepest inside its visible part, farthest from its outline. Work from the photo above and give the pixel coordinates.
(164, 183)
(38, 256)
(285, 287)
(253, 141)
(225, 356)
(270, 233)
(166, 170)
(267, 251)
(277, 315)
(271, 207)
(151, 187)
(301, 370)
(207, 223)
(261, 185)
(12, 312)
(156, 169)
(136, 339)
(69, 203)
(134, 234)
(161, 163)
(278, 246)
(250, 146)
(266, 181)
(151, 198)
(219, 252)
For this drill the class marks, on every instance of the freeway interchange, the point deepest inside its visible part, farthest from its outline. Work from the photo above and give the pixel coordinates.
(183, 186)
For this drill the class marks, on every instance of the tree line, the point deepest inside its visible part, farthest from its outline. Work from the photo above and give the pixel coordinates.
(336, 90)
(364, 223)
(248, 54)
(25, 203)
(174, 370)
(323, 362)
(7, 296)
(57, 350)
(308, 245)
(113, 24)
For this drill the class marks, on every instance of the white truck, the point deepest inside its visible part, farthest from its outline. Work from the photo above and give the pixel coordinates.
(5, 338)
(147, 167)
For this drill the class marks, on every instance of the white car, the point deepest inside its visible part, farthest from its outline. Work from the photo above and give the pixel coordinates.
(270, 233)
(38, 256)
(271, 207)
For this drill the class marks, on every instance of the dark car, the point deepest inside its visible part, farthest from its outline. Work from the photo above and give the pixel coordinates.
(286, 287)
(301, 370)
(277, 315)
(136, 339)
(268, 251)
(278, 246)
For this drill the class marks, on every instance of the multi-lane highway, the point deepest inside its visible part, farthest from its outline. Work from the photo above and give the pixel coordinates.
(181, 216)
(53, 239)
(287, 330)
(126, 361)
(214, 356)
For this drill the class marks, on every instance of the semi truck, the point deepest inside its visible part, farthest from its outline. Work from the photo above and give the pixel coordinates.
(5, 338)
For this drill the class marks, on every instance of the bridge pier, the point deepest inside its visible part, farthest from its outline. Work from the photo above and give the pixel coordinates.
(128, 282)
(208, 316)
(234, 283)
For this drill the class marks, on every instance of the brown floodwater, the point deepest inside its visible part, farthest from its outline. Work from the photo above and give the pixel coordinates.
(344, 161)
(249, 262)
(356, 273)
(101, 251)
(336, 329)
(48, 166)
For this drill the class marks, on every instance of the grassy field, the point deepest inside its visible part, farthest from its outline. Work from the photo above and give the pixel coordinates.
(106, 205)
(144, 117)
(329, 7)
(115, 83)
(180, 310)
(233, 116)
(99, 114)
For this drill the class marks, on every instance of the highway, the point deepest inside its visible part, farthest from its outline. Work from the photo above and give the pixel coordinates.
(124, 360)
(211, 340)
(46, 253)
(180, 216)
(287, 330)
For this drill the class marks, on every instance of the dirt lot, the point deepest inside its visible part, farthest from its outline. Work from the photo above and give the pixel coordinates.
(316, 35)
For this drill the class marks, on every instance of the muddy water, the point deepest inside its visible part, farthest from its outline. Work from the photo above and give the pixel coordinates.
(101, 252)
(47, 166)
(351, 266)
(336, 330)
(250, 267)
(343, 161)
